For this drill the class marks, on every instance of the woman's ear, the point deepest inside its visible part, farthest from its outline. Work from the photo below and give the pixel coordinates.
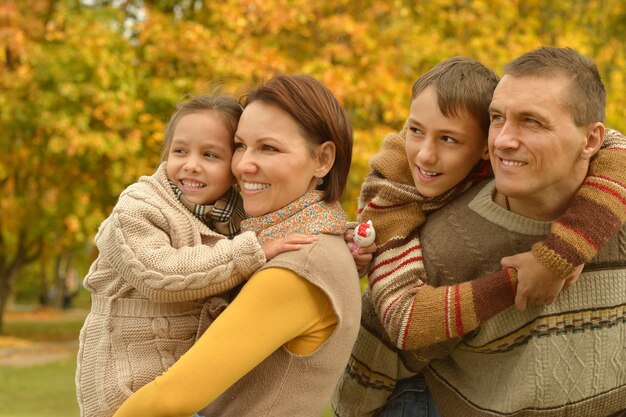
(325, 158)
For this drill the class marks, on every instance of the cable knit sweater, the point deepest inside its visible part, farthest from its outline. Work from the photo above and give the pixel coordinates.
(563, 359)
(157, 265)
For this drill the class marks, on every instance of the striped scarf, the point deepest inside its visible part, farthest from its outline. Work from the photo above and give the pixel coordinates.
(308, 215)
(223, 217)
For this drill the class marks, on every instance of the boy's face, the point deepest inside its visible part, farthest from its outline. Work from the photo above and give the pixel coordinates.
(441, 150)
(199, 158)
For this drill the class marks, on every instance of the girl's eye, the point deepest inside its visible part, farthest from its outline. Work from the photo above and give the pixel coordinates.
(210, 155)
(178, 150)
(415, 130)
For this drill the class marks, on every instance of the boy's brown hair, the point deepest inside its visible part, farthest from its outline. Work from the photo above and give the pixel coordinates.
(464, 87)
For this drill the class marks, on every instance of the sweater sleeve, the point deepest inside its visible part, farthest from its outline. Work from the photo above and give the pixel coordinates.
(416, 315)
(596, 214)
(136, 243)
(248, 331)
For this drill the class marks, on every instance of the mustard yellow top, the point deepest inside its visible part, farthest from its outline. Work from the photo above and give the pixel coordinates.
(275, 308)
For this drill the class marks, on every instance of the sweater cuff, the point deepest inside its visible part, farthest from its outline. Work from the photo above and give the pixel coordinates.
(248, 255)
(550, 259)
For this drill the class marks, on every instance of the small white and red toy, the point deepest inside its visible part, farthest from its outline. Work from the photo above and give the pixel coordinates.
(364, 234)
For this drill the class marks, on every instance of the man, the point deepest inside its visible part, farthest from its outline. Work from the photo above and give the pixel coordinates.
(569, 357)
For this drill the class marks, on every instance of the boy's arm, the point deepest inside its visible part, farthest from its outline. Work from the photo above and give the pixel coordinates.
(596, 214)
(417, 315)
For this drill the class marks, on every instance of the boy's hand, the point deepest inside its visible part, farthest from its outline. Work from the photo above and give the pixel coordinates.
(286, 244)
(536, 284)
(362, 255)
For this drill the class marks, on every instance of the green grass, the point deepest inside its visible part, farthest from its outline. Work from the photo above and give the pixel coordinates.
(39, 390)
(44, 330)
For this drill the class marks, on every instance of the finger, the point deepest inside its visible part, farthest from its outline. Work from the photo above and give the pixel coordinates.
(550, 300)
(508, 261)
(520, 301)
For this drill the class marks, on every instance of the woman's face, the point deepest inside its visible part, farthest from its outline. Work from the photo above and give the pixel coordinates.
(273, 162)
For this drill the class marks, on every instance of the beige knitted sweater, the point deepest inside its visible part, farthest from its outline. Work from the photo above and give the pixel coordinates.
(564, 359)
(157, 265)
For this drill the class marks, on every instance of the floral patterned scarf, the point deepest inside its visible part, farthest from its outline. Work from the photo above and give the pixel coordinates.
(308, 215)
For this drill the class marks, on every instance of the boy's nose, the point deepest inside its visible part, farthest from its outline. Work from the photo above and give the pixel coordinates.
(427, 153)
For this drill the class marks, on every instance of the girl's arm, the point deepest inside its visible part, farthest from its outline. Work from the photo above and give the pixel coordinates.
(251, 328)
(136, 245)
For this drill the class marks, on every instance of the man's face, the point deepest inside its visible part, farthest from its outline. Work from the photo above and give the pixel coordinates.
(534, 146)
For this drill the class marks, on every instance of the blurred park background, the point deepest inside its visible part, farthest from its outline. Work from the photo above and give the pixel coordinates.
(87, 86)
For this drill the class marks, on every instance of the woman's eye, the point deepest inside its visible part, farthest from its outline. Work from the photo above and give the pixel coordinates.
(239, 146)
(269, 148)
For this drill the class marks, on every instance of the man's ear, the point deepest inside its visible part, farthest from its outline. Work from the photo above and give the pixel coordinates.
(325, 158)
(594, 139)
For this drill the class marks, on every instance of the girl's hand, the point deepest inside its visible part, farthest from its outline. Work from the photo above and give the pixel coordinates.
(286, 244)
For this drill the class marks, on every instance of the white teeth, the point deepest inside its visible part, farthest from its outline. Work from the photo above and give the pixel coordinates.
(254, 186)
(508, 163)
(192, 184)
(428, 173)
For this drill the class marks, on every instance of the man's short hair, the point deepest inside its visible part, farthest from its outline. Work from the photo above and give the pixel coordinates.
(585, 97)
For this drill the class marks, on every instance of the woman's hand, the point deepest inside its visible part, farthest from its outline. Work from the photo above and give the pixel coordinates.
(286, 244)
(536, 284)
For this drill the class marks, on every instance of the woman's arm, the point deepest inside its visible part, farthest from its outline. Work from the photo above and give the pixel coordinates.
(246, 333)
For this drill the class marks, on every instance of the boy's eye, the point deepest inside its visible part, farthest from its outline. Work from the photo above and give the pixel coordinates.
(210, 155)
(448, 139)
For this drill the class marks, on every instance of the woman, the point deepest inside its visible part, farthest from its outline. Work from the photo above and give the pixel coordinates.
(282, 344)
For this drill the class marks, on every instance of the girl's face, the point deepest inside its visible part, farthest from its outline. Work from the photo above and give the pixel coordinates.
(273, 162)
(441, 150)
(199, 158)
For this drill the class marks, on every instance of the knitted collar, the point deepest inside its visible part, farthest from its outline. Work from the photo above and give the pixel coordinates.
(307, 215)
(224, 216)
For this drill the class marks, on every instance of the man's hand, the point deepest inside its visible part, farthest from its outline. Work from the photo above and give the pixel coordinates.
(286, 244)
(536, 284)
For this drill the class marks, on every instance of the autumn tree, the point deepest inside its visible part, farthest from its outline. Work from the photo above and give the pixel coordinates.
(86, 87)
